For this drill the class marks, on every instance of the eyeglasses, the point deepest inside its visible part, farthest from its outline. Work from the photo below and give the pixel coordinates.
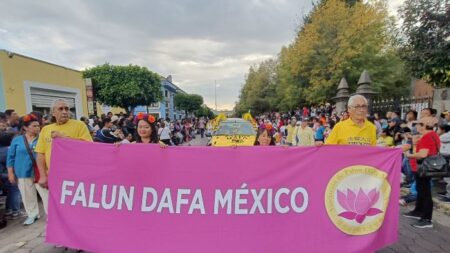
(66, 108)
(360, 107)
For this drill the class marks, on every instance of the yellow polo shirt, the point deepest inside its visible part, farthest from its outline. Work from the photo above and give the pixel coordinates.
(348, 132)
(73, 129)
(290, 133)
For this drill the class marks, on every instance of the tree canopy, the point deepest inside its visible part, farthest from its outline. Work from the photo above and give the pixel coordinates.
(188, 102)
(337, 39)
(426, 24)
(204, 111)
(124, 86)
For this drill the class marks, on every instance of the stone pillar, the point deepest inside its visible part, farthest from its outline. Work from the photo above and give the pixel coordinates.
(365, 88)
(342, 96)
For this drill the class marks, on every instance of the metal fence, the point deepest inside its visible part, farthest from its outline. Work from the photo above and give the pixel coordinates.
(402, 105)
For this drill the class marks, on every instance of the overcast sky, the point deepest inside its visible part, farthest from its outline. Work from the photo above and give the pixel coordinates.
(195, 41)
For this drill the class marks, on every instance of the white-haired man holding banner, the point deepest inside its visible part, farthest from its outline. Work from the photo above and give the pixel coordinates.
(356, 130)
(64, 127)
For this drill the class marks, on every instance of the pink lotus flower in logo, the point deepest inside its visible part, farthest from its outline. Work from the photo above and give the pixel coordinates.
(358, 206)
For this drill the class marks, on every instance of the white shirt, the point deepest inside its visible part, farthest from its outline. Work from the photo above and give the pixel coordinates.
(164, 133)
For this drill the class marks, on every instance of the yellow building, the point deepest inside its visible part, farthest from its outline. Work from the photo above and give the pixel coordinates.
(28, 84)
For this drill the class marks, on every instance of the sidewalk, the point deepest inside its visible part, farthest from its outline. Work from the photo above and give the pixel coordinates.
(16, 238)
(422, 240)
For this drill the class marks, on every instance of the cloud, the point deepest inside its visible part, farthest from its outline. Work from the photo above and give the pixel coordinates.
(195, 41)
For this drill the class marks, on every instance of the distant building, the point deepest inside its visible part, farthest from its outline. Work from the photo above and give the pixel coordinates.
(28, 84)
(166, 108)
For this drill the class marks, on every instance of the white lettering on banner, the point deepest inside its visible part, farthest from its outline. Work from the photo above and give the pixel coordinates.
(125, 197)
(167, 203)
(111, 204)
(223, 201)
(145, 192)
(92, 204)
(80, 195)
(279, 208)
(241, 201)
(197, 202)
(65, 191)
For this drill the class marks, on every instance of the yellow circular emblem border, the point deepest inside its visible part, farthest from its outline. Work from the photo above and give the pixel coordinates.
(330, 197)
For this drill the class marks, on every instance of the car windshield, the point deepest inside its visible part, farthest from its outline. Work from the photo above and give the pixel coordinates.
(235, 128)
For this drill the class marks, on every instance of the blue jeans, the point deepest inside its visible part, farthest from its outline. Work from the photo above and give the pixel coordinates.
(13, 195)
(406, 169)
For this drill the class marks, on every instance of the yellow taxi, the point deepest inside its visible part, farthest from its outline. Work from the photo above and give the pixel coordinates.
(233, 132)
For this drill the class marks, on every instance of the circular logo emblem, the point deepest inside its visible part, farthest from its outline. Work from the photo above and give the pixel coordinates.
(356, 199)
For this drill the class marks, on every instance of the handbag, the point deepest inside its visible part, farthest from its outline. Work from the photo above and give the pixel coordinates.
(30, 153)
(434, 166)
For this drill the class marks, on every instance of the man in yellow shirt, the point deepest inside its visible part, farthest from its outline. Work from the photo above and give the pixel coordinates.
(63, 128)
(356, 130)
(304, 135)
(291, 131)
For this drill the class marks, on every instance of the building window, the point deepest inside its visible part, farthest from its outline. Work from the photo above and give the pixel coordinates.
(166, 93)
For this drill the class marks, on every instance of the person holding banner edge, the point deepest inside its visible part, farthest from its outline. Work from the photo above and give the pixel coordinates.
(64, 127)
(356, 130)
(264, 136)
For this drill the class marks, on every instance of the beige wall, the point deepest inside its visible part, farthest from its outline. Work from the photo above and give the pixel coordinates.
(19, 70)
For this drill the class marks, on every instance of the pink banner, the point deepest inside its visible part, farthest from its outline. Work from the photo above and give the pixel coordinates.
(142, 198)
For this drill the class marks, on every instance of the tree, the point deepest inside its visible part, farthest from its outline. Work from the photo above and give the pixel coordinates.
(188, 102)
(427, 46)
(340, 39)
(124, 86)
(337, 39)
(204, 111)
(258, 92)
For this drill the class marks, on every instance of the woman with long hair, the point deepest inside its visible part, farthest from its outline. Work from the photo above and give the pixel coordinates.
(264, 136)
(146, 129)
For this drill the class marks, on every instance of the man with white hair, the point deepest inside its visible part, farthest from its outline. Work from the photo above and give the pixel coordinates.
(64, 127)
(356, 130)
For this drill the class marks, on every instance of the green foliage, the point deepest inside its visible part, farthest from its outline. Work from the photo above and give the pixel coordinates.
(204, 111)
(188, 102)
(426, 24)
(124, 86)
(258, 92)
(341, 41)
(338, 39)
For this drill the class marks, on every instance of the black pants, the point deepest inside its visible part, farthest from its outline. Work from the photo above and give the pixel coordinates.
(424, 202)
(202, 132)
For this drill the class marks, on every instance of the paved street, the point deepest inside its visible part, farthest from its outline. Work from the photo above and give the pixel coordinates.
(17, 238)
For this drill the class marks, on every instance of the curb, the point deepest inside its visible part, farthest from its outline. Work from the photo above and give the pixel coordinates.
(438, 205)
(444, 207)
